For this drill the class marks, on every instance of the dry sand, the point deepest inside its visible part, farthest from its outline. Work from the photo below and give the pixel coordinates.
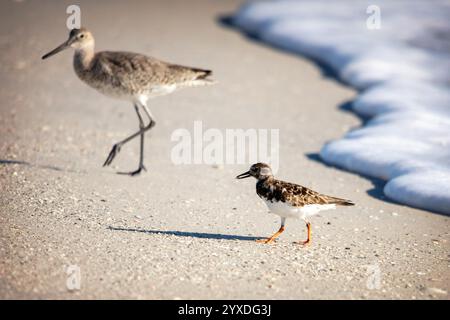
(185, 231)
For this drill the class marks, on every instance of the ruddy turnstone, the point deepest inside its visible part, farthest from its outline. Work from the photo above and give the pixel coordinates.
(289, 200)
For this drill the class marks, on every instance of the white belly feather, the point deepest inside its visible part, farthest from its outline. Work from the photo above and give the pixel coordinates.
(285, 210)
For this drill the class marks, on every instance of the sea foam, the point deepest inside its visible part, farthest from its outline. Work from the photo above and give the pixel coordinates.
(402, 74)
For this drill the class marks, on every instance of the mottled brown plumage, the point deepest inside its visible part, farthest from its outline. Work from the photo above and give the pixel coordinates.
(272, 189)
(289, 200)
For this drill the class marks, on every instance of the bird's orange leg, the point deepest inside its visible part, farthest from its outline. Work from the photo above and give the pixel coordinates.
(308, 240)
(273, 237)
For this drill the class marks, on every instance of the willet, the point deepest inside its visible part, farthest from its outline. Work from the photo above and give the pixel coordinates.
(128, 76)
(289, 200)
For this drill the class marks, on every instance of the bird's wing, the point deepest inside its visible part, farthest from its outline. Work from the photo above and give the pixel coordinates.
(182, 74)
(299, 196)
(128, 67)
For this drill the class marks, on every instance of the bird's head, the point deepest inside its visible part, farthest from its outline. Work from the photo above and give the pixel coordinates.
(78, 39)
(259, 171)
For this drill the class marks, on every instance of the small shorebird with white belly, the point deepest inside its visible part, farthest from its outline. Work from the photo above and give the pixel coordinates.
(289, 200)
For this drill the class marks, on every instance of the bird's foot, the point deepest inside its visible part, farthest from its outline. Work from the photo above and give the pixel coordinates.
(268, 240)
(303, 243)
(112, 154)
(136, 172)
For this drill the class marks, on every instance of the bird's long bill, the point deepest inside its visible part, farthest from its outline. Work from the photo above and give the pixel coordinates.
(63, 46)
(243, 175)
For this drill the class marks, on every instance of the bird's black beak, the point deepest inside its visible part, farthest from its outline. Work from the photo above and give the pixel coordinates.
(244, 175)
(60, 48)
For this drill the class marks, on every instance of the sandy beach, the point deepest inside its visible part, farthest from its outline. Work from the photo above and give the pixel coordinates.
(186, 231)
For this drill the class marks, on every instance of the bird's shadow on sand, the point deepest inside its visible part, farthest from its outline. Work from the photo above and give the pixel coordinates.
(7, 162)
(29, 164)
(201, 235)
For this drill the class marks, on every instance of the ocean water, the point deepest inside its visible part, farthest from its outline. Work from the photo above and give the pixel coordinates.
(397, 55)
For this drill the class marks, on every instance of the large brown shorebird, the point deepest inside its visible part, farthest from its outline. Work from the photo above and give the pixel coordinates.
(128, 76)
(289, 200)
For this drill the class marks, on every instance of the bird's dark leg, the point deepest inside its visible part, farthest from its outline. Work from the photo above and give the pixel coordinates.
(141, 155)
(274, 236)
(149, 115)
(142, 129)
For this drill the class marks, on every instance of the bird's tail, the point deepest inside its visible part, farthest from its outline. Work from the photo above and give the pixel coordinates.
(341, 202)
(200, 78)
(202, 73)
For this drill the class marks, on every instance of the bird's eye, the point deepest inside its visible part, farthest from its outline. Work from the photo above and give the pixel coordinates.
(81, 36)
